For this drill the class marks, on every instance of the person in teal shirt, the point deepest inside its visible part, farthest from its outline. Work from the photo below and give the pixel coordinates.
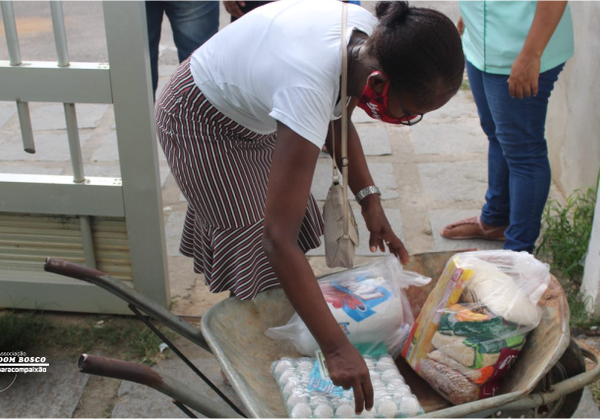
(515, 51)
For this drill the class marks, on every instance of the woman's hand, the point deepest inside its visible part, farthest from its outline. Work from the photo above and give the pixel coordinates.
(460, 26)
(524, 76)
(347, 369)
(233, 8)
(380, 229)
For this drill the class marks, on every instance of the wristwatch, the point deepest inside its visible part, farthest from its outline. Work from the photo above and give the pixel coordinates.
(367, 191)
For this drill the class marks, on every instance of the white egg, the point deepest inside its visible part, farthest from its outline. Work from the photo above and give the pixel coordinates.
(398, 396)
(296, 398)
(368, 414)
(304, 366)
(389, 375)
(384, 364)
(374, 376)
(301, 411)
(369, 363)
(345, 411)
(323, 411)
(387, 409)
(394, 387)
(282, 366)
(286, 375)
(397, 380)
(289, 388)
(410, 405)
(315, 400)
(378, 384)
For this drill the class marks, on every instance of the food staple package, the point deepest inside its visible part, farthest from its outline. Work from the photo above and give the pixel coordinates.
(369, 304)
(308, 392)
(475, 322)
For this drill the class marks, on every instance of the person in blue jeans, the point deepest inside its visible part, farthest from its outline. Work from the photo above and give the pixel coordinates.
(193, 23)
(515, 52)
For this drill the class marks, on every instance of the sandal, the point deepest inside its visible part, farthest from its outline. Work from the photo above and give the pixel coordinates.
(473, 228)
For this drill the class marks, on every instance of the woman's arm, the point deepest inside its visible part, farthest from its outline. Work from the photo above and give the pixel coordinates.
(359, 177)
(290, 179)
(525, 72)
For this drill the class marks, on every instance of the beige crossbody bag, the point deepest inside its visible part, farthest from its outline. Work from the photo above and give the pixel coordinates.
(341, 232)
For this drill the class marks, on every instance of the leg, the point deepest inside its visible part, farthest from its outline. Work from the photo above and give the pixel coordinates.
(154, 15)
(520, 126)
(193, 23)
(495, 212)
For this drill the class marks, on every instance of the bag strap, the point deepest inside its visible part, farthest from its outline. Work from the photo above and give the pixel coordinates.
(344, 120)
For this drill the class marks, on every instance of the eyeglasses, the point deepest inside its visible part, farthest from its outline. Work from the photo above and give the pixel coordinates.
(408, 119)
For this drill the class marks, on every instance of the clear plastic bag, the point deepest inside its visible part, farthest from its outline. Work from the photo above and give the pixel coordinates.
(307, 394)
(475, 322)
(369, 305)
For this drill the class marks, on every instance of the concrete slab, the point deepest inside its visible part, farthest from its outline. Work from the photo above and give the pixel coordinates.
(374, 139)
(587, 407)
(395, 219)
(462, 136)
(360, 116)
(49, 147)
(52, 394)
(8, 168)
(173, 229)
(108, 150)
(137, 401)
(453, 183)
(441, 218)
(383, 175)
(460, 106)
(52, 116)
(7, 110)
(165, 171)
(104, 169)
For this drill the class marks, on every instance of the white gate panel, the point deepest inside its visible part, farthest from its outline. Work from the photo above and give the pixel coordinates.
(113, 224)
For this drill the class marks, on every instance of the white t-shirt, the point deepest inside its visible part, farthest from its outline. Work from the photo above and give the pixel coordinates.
(281, 62)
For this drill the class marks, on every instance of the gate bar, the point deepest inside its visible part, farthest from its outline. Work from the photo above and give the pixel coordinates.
(10, 28)
(87, 237)
(26, 128)
(74, 145)
(60, 33)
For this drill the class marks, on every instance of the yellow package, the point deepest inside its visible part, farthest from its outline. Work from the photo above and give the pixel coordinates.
(446, 293)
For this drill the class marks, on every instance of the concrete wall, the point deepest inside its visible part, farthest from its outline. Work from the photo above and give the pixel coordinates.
(573, 124)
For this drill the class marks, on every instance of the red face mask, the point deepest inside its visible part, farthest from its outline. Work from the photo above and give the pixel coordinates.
(376, 105)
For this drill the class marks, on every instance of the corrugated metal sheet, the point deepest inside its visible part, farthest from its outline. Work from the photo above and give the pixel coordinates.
(26, 240)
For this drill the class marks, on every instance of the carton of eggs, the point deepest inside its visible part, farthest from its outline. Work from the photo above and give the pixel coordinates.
(307, 395)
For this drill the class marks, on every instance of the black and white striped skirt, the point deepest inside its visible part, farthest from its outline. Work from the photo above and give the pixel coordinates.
(222, 168)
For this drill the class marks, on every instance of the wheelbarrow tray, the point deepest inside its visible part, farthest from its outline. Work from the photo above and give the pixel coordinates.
(235, 332)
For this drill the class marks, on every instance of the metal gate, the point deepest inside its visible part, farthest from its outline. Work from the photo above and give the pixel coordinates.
(113, 224)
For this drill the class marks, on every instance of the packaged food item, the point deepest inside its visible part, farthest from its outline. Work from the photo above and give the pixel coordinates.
(369, 304)
(308, 392)
(475, 322)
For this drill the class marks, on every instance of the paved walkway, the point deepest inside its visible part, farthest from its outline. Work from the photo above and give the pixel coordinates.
(430, 175)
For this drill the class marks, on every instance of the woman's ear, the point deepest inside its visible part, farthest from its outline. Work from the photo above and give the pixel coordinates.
(377, 81)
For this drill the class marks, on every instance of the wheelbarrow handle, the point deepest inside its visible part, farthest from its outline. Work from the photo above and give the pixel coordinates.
(133, 372)
(129, 295)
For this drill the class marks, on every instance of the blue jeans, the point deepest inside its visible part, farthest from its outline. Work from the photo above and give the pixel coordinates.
(518, 167)
(193, 23)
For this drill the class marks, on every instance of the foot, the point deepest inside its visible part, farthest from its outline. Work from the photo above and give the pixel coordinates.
(473, 228)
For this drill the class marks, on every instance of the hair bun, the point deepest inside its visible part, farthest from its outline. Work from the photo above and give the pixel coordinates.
(391, 11)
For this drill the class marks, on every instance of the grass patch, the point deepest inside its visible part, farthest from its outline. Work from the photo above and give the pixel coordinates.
(565, 238)
(114, 336)
(465, 84)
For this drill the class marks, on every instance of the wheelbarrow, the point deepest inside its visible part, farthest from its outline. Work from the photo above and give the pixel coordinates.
(546, 381)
